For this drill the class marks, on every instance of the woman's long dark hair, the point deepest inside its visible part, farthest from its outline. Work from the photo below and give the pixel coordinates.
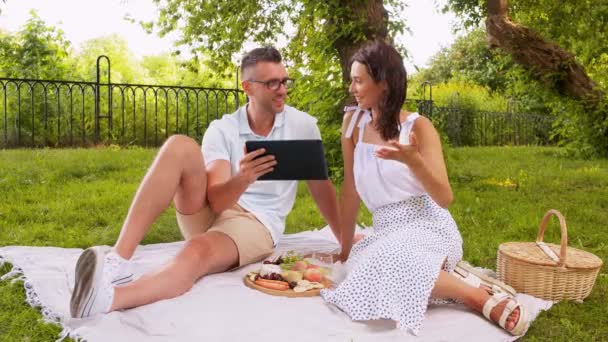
(384, 63)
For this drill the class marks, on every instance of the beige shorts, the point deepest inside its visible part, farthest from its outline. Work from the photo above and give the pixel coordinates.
(251, 237)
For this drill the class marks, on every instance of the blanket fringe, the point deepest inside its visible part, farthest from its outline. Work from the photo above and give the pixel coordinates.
(65, 333)
(31, 297)
(15, 274)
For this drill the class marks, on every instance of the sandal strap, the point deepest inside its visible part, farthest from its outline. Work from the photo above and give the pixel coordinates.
(511, 305)
(496, 289)
(492, 302)
(523, 323)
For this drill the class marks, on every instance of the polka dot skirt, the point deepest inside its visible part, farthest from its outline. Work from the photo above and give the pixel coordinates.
(393, 270)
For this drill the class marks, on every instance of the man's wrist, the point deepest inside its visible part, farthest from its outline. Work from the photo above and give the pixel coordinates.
(242, 181)
(343, 255)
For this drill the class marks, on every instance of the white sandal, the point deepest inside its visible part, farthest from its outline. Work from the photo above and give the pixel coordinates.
(523, 323)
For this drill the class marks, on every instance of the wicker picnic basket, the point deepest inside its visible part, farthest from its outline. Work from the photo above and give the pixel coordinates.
(535, 268)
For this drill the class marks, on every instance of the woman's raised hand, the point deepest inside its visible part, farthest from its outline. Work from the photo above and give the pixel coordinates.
(406, 154)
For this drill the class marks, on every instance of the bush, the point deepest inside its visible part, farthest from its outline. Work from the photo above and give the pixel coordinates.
(468, 95)
(456, 109)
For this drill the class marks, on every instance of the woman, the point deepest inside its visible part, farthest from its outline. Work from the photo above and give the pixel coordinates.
(393, 162)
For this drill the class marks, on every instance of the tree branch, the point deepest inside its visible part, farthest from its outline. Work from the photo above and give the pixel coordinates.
(547, 61)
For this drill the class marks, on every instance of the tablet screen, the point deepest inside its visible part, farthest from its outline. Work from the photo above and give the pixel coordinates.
(296, 159)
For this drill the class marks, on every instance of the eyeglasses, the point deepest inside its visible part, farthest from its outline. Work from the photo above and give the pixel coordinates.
(275, 84)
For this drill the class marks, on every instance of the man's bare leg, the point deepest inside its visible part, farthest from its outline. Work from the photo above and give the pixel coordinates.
(206, 253)
(178, 174)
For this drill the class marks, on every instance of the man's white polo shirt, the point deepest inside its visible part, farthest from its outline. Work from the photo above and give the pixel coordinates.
(269, 201)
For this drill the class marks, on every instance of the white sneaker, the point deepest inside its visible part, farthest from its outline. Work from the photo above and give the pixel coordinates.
(123, 273)
(97, 272)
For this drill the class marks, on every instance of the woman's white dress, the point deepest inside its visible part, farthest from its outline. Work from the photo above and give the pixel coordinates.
(393, 270)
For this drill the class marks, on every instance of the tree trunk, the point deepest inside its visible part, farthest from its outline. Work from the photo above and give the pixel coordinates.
(547, 61)
(372, 18)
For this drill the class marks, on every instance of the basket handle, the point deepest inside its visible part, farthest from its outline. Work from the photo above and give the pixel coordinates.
(564, 243)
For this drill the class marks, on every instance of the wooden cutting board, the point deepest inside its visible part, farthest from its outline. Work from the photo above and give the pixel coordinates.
(284, 293)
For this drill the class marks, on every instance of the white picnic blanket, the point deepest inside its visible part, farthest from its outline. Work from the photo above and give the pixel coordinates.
(221, 308)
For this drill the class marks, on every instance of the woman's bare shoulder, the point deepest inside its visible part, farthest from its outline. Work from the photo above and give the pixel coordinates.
(348, 115)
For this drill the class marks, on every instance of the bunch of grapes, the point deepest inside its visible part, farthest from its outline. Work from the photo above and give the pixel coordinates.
(277, 261)
(272, 276)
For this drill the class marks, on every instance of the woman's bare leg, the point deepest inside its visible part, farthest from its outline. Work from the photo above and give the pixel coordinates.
(448, 286)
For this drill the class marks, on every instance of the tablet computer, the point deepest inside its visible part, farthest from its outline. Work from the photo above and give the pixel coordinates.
(296, 159)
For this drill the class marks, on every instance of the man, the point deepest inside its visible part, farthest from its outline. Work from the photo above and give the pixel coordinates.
(227, 218)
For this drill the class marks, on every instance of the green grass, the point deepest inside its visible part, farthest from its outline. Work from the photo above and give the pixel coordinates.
(78, 198)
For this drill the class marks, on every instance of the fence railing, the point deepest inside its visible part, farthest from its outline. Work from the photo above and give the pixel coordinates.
(467, 127)
(39, 113)
(485, 128)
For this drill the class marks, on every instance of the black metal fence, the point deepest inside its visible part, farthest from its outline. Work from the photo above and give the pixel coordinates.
(39, 113)
(485, 128)
(470, 127)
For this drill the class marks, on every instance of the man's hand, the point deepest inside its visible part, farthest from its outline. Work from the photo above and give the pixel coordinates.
(407, 154)
(343, 256)
(251, 167)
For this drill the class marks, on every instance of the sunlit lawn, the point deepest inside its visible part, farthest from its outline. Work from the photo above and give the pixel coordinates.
(78, 198)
